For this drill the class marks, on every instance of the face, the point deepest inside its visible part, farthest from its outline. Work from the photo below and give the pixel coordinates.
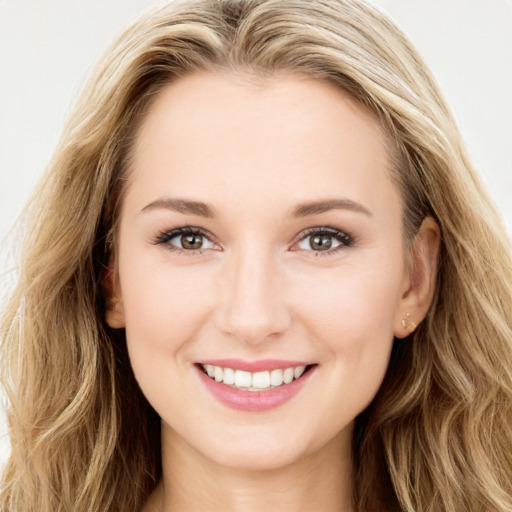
(260, 231)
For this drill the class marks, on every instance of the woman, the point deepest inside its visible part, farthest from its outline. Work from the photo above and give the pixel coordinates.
(261, 272)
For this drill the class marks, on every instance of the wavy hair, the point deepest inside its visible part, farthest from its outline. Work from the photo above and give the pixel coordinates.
(436, 438)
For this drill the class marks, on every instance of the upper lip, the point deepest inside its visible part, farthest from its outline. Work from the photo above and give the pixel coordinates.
(255, 366)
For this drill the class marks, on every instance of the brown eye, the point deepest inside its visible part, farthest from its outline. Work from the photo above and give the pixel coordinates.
(320, 242)
(185, 239)
(192, 241)
(324, 240)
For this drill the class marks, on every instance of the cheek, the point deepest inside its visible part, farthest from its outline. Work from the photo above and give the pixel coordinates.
(351, 308)
(164, 305)
(164, 311)
(351, 323)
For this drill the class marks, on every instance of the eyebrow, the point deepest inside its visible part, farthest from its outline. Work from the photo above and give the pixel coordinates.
(316, 207)
(182, 206)
(201, 209)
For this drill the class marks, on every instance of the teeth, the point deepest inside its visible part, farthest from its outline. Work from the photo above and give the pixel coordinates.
(229, 376)
(257, 381)
(276, 377)
(261, 380)
(218, 374)
(297, 372)
(242, 379)
(288, 375)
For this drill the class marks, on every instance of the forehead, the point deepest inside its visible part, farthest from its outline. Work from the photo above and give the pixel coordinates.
(218, 134)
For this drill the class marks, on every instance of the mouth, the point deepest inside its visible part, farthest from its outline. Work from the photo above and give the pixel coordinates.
(271, 385)
(255, 381)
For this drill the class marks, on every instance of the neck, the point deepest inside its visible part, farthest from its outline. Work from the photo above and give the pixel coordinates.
(318, 481)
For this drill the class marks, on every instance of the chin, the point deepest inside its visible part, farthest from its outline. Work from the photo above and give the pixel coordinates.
(257, 457)
(266, 451)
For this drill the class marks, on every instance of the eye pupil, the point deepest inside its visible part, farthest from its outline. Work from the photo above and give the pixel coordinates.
(320, 242)
(192, 241)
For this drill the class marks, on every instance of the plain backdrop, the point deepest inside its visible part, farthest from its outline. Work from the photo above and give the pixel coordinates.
(48, 47)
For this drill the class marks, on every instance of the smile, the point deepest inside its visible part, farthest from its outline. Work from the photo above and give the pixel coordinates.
(257, 381)
(269, 385)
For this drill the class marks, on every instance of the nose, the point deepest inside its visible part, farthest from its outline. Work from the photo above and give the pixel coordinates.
(253, 309)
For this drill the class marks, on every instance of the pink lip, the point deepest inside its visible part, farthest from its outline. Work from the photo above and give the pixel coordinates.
(255, 366)
(254, 401)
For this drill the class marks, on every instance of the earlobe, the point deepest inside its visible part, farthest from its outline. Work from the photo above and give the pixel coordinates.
(114, 308)
(416, 299)
(408, 323)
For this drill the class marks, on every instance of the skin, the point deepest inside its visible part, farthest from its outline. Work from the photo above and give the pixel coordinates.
(254, 150)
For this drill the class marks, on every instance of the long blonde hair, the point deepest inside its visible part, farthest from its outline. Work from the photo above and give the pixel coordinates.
(437, 437)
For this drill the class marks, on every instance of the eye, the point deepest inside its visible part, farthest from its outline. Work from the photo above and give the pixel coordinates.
(191, 241)
(324, 240)
(186, 239)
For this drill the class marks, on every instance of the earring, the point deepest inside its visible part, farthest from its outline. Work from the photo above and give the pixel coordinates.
(407, 323)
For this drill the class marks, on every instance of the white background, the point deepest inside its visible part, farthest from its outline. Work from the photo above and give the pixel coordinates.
(47, 48)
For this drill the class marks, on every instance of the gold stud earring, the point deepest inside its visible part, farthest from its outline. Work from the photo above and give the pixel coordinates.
(408, 324)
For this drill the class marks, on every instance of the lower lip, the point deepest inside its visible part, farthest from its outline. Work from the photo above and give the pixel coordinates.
(254, 401)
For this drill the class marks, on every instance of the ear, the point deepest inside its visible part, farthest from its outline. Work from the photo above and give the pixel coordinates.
(114, 313)
(419, 284)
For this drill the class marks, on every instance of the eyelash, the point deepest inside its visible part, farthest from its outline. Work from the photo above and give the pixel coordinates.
(342, 237)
